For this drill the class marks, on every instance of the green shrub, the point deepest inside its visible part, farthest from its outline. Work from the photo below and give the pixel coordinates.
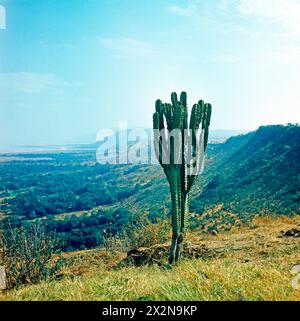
(28, 255)
(142, 233)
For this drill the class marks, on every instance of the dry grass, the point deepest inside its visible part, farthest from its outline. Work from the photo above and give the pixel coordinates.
(255, 265)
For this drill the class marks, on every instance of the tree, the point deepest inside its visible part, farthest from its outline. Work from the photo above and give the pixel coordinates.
(180, 151)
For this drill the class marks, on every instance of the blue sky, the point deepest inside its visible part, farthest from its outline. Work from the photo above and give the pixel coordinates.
(69, 68)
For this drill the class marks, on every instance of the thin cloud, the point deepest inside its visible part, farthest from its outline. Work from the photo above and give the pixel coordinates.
(285, 55)
(29, 83)
(129, 47)
(188, 11)
(283, 13)
(252, 21)
(62, 45)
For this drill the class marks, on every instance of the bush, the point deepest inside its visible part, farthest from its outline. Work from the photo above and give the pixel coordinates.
(142, 233)
(27, 254)
(215, 218)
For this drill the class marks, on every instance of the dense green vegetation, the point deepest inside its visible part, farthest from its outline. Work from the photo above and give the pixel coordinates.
(255, 173)
(51, 188)
(82, 201)
(66, 184)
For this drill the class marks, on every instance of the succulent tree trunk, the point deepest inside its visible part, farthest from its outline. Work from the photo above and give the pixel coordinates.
(180, 151)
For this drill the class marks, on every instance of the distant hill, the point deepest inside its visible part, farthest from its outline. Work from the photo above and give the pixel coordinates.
(221, 135)
(255, 173)
(216, 135)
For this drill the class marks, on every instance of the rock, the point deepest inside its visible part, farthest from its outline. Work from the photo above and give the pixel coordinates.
(213, 232)
(3, 280)
(158, 254)
(293, 232)
(143, 255)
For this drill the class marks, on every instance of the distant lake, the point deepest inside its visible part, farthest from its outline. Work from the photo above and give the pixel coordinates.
(31, 149)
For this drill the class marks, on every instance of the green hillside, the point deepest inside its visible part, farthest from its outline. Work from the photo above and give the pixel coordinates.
(255, 173)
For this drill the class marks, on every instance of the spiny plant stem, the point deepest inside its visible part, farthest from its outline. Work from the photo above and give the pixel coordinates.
(181, 163)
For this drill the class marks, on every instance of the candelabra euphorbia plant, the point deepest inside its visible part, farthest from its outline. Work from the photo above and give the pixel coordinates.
(180, 145)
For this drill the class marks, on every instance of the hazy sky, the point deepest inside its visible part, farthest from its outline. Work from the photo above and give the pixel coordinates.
(69, 68)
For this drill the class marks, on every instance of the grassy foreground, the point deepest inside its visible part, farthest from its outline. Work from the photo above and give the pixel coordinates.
(255, 264)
